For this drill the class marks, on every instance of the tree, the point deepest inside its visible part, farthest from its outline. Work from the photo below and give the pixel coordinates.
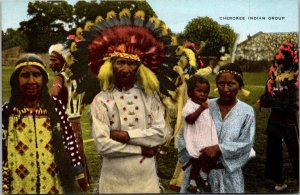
(84, 11)
(12, 38)
(52, 21)
(49, 24)
(206, 29)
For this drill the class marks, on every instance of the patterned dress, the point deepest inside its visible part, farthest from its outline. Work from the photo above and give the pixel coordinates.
(28, 150)
(236, 134)
(140, 114)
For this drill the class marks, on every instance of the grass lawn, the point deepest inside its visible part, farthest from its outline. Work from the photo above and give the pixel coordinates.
(254, 169)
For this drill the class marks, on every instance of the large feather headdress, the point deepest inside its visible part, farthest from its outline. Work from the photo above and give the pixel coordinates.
(63, 50)
(285, 69)
(129, 36)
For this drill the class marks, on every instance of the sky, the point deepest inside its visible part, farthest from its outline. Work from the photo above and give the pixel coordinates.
(245, 17)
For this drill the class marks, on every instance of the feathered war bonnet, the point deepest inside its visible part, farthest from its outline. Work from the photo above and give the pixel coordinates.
(129, 36)
(285, 67)
(63, 50)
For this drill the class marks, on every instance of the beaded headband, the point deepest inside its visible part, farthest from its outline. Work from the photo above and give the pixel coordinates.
(123, 55)
(30, 64)
(230, 71)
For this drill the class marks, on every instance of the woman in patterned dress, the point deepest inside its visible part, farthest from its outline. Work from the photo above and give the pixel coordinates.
(38, 156)
(235, 125)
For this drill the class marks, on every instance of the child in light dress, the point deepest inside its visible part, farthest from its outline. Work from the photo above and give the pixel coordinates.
(199, 129)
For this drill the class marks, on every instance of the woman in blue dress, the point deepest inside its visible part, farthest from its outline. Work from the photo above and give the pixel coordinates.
(235, 125)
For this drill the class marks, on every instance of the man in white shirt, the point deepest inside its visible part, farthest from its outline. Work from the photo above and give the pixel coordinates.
(128, 128)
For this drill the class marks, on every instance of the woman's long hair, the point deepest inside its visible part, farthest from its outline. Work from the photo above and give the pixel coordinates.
(45, 99)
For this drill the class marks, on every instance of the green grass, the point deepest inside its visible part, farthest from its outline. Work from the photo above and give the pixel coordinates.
(254, 169)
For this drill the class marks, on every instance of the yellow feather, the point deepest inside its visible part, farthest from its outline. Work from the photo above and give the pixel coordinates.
(245, 92)
(187, 76)
(125, 12)
(164, 29)
(191, 56)
(204, 71)
(79, 33)
(182, 78)
(178, 69)
(111, 14)
(69, 59)
(182, 98)
(88, 25)
(173, 95)
(179, 50)
(147, 79)
(155, 20)
(74, 95)
(140, 14)
(174, 40)
(73, 47)
(68, 72)
(183, 62)
(105, 75)
(98, 19)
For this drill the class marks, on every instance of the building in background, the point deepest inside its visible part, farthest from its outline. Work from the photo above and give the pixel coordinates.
(263, 46)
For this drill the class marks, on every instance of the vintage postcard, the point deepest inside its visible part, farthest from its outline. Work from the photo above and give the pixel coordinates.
(150, 96)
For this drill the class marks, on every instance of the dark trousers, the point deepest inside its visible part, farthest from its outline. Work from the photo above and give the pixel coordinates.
(274, 162)
(196, 166)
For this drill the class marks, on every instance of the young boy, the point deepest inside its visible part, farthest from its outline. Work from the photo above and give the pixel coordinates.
(199, 128)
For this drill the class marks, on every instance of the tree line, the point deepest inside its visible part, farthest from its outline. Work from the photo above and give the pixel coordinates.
(52, 21)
